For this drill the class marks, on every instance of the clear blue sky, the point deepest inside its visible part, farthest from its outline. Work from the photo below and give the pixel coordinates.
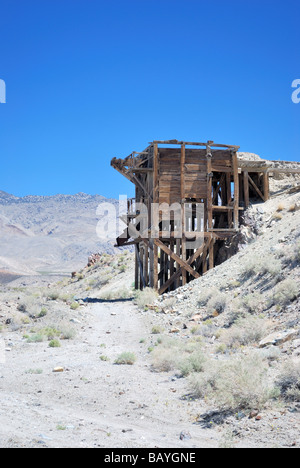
(88, 80)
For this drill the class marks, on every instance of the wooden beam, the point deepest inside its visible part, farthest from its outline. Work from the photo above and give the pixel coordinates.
(182, 263)
(225, 208)
(137, 249)
(256, 188)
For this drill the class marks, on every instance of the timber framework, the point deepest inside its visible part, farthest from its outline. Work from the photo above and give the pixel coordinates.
(187, 173)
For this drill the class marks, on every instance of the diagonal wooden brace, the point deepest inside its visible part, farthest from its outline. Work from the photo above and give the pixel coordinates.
(186, 264)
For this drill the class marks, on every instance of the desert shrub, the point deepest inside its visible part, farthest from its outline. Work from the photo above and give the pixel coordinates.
(252, 267)
(286, 292)
(104, 358)
(36, 338)
(270, 265)
(156, 330)
(172, 354)
(252, 303)
(272, 353)
(50, 333)
(191, 363)
(53, 295)
(66, 332)
(239, 384)
(289, 381)
(43, 313)
(207, 295)
(245, 331)
(217, 303)
(126, 358)
(74, 306)
(145, 297)
(54, 344)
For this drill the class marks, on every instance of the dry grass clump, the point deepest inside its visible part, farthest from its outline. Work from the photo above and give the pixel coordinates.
(119, 294)
(245, 331)
(289, 381)
(280, 207)
(172, 354)
(127, 358)
(292, 208)
(145, 297)
(277, 216)
(241, 383)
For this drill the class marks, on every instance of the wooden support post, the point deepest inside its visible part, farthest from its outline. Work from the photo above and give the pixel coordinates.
(236, 190)
(229, 198)
(146, 263)
(211, 255)
(136, 280)
(151, 260)
(171, 258)
(266, 185)
(182, 185)
(155, 266)
(246, 188)
(209, 188)
(155, 175)
(178, 253)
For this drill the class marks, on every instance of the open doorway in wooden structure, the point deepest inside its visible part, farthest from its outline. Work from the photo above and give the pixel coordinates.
(187, 174)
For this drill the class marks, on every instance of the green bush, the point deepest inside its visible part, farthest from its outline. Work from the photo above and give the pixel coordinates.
(54, 344)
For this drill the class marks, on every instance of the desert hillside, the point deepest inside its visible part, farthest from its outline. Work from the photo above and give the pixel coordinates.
(49, 234)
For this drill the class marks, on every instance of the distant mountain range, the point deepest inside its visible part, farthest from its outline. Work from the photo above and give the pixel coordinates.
(52, 234)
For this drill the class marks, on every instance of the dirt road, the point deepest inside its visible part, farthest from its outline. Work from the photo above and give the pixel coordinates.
(94, 402)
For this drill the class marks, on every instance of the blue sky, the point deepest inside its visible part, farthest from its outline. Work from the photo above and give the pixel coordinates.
(88, 80)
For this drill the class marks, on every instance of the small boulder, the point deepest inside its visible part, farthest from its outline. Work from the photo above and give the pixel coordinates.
(278, 338)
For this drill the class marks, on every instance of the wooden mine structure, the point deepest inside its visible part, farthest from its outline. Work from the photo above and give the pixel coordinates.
(188, 174)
